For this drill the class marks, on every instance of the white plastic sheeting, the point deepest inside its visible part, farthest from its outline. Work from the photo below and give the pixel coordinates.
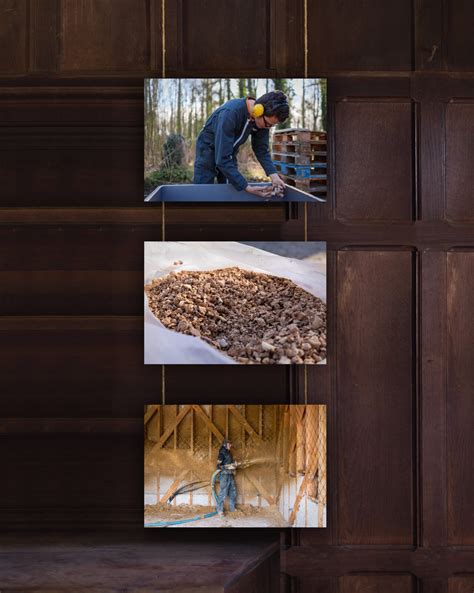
(164, 346)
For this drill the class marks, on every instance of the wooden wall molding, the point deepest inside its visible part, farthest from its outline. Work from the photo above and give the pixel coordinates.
(130, 37)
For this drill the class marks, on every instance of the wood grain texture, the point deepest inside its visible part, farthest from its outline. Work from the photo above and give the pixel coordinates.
(44, 35)
(377, 584)
(398, 382)
(150, 561)
(242, 38)
(461, 584)
(86, 366)
(375, 397)
(321, 585)
(431, 152)
(13, 36)
(374, 161)
(459, 18)
(117, 34)
(81, 479)
(379, 36)
(460, 403)
(432, 409)
(231, 385)
(432, 566)
(429, 31)
(103, 38)
(459, 158)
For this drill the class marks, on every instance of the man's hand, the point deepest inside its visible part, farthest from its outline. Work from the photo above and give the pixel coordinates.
(277, 181)
(260, 191)
(278, 186)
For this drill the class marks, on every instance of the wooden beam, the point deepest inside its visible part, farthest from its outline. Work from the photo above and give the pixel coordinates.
(262, 491)
(298, 498)
(151, 411)
(300, 440)
(170, 429)
(245, 424)
(202, 414)
(174, 485)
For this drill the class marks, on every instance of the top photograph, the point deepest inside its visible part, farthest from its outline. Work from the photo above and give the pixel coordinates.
(235, 140)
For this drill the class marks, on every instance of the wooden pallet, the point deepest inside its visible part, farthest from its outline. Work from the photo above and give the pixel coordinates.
(292, 158)
(310, 147)
(299, 135)
(310, 186)
(314, 171)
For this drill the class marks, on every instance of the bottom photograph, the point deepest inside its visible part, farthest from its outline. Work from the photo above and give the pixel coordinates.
(235, 465)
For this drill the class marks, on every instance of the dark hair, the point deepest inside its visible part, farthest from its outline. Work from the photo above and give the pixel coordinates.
(275, 103)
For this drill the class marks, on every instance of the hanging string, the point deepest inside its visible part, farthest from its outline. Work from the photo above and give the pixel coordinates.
(163, 384)
(163, 221)
(305, 221)
(306, 38)
(305, 384)
(305, 23)
(163, 38)
(163, 217)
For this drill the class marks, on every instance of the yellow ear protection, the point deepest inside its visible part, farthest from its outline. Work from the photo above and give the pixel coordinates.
(257, 110)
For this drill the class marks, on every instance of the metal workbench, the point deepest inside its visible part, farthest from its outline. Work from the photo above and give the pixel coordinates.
(223, 192)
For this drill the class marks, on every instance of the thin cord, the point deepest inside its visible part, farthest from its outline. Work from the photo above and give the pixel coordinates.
(305, 221)
(163, 37)
(163, 218)
(163, 384)
(306, 38)
(163, 221)
(305, 384)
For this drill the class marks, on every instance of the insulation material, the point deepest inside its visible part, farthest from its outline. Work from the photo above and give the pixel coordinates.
(181, 448)
(166, 346)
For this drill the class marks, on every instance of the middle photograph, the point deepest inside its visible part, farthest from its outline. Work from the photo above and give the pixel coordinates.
(235, 302)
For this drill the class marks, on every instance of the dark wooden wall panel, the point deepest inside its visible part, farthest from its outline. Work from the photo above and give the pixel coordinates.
(13, 36)
(374, 160)
(76, 366)
(460, 410)
(459, 23)
(71, 293)
(459, 159)
(397, 384)
(81, 480)
(223, 37)
(105, 35)
(378, 36)
(79, 270)
(252, 384)
(377, 584)
(242, 38)
(90, 177)
(461, 584)
(249, 39)
(375, 397)
(317, 585)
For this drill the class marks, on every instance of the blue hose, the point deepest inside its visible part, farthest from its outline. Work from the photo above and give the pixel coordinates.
(197, 517)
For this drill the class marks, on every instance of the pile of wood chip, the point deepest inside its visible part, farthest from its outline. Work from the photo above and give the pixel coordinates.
(254, 318)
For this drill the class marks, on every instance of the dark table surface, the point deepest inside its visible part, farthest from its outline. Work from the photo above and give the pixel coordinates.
(222, 192)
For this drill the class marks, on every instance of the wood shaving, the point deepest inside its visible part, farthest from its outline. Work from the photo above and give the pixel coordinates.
(252, 317)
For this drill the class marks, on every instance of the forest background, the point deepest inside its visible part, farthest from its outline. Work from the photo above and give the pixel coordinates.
(177, 109)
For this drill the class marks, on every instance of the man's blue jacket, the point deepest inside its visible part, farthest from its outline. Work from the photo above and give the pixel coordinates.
(222, 135)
